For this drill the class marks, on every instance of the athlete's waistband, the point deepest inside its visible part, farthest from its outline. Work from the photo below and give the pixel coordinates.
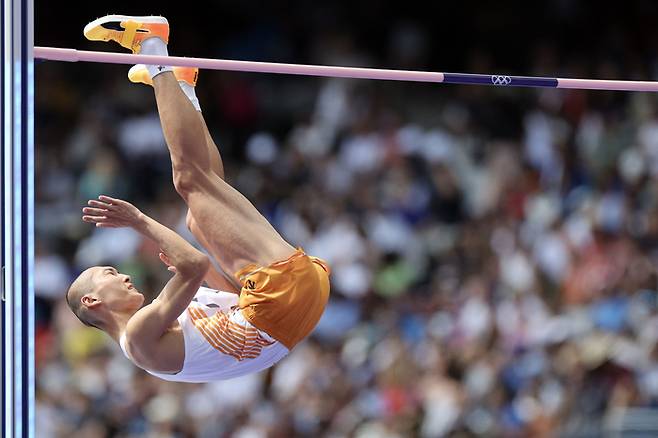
(252, 268)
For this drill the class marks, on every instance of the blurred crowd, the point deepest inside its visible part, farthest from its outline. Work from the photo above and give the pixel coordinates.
(493, 250)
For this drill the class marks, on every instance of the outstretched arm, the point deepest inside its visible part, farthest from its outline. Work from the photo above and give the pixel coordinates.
(190, 266)
(115, 213)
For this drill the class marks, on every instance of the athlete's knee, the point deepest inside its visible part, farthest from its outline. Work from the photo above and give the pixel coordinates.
(187, 179)
(189, 221)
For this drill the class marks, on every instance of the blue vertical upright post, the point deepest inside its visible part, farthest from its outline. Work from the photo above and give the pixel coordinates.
(17, 202)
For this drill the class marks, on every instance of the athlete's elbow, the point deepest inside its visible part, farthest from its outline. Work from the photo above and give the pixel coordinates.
(202, 265)
(196, 266)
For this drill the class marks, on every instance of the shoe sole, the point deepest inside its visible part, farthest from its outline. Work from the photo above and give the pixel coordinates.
(138, 67)
(148, 19)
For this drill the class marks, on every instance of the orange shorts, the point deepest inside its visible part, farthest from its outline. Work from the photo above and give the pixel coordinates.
(287, 298)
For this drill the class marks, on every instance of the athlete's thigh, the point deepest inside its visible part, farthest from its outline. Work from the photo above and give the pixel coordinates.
(235, 231)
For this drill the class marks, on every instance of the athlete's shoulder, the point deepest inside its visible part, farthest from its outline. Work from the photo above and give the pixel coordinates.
(131, 348)
(165, 354)
(137, 338)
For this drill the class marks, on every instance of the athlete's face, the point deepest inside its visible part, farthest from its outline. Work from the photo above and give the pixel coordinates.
(115, 289)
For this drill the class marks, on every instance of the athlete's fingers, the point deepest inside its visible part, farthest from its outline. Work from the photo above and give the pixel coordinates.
(165, 259)
(94, 211)
(112, 201)
(106, 225)
(99, 204)
(95, 219)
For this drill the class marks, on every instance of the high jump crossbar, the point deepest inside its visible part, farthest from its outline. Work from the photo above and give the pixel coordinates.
(72, 55)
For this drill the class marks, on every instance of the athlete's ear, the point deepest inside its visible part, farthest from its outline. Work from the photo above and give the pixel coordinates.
(90, 301)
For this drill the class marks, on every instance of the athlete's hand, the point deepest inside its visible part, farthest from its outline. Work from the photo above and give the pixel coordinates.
(166, 261)
(109, 212)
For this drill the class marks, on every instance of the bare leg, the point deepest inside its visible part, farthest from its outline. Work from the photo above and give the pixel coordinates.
(216, 163)
(217, 167)
(236, 233)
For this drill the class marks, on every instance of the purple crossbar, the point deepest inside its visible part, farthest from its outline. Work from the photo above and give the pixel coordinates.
(499, 80)
(72, 55)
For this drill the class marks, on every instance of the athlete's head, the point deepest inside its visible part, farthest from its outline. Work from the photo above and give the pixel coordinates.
(99, 292)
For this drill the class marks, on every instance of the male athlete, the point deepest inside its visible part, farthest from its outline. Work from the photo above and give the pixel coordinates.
(192, 333)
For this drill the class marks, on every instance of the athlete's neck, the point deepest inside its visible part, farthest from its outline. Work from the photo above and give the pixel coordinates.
(117, 324)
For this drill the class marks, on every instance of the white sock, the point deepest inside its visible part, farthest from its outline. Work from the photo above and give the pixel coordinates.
(189, 92)
(155, 46)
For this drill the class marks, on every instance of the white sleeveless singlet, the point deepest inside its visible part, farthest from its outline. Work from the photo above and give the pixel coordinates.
(219, 342)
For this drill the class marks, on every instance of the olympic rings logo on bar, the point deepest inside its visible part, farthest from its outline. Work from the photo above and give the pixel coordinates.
(500, 80)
